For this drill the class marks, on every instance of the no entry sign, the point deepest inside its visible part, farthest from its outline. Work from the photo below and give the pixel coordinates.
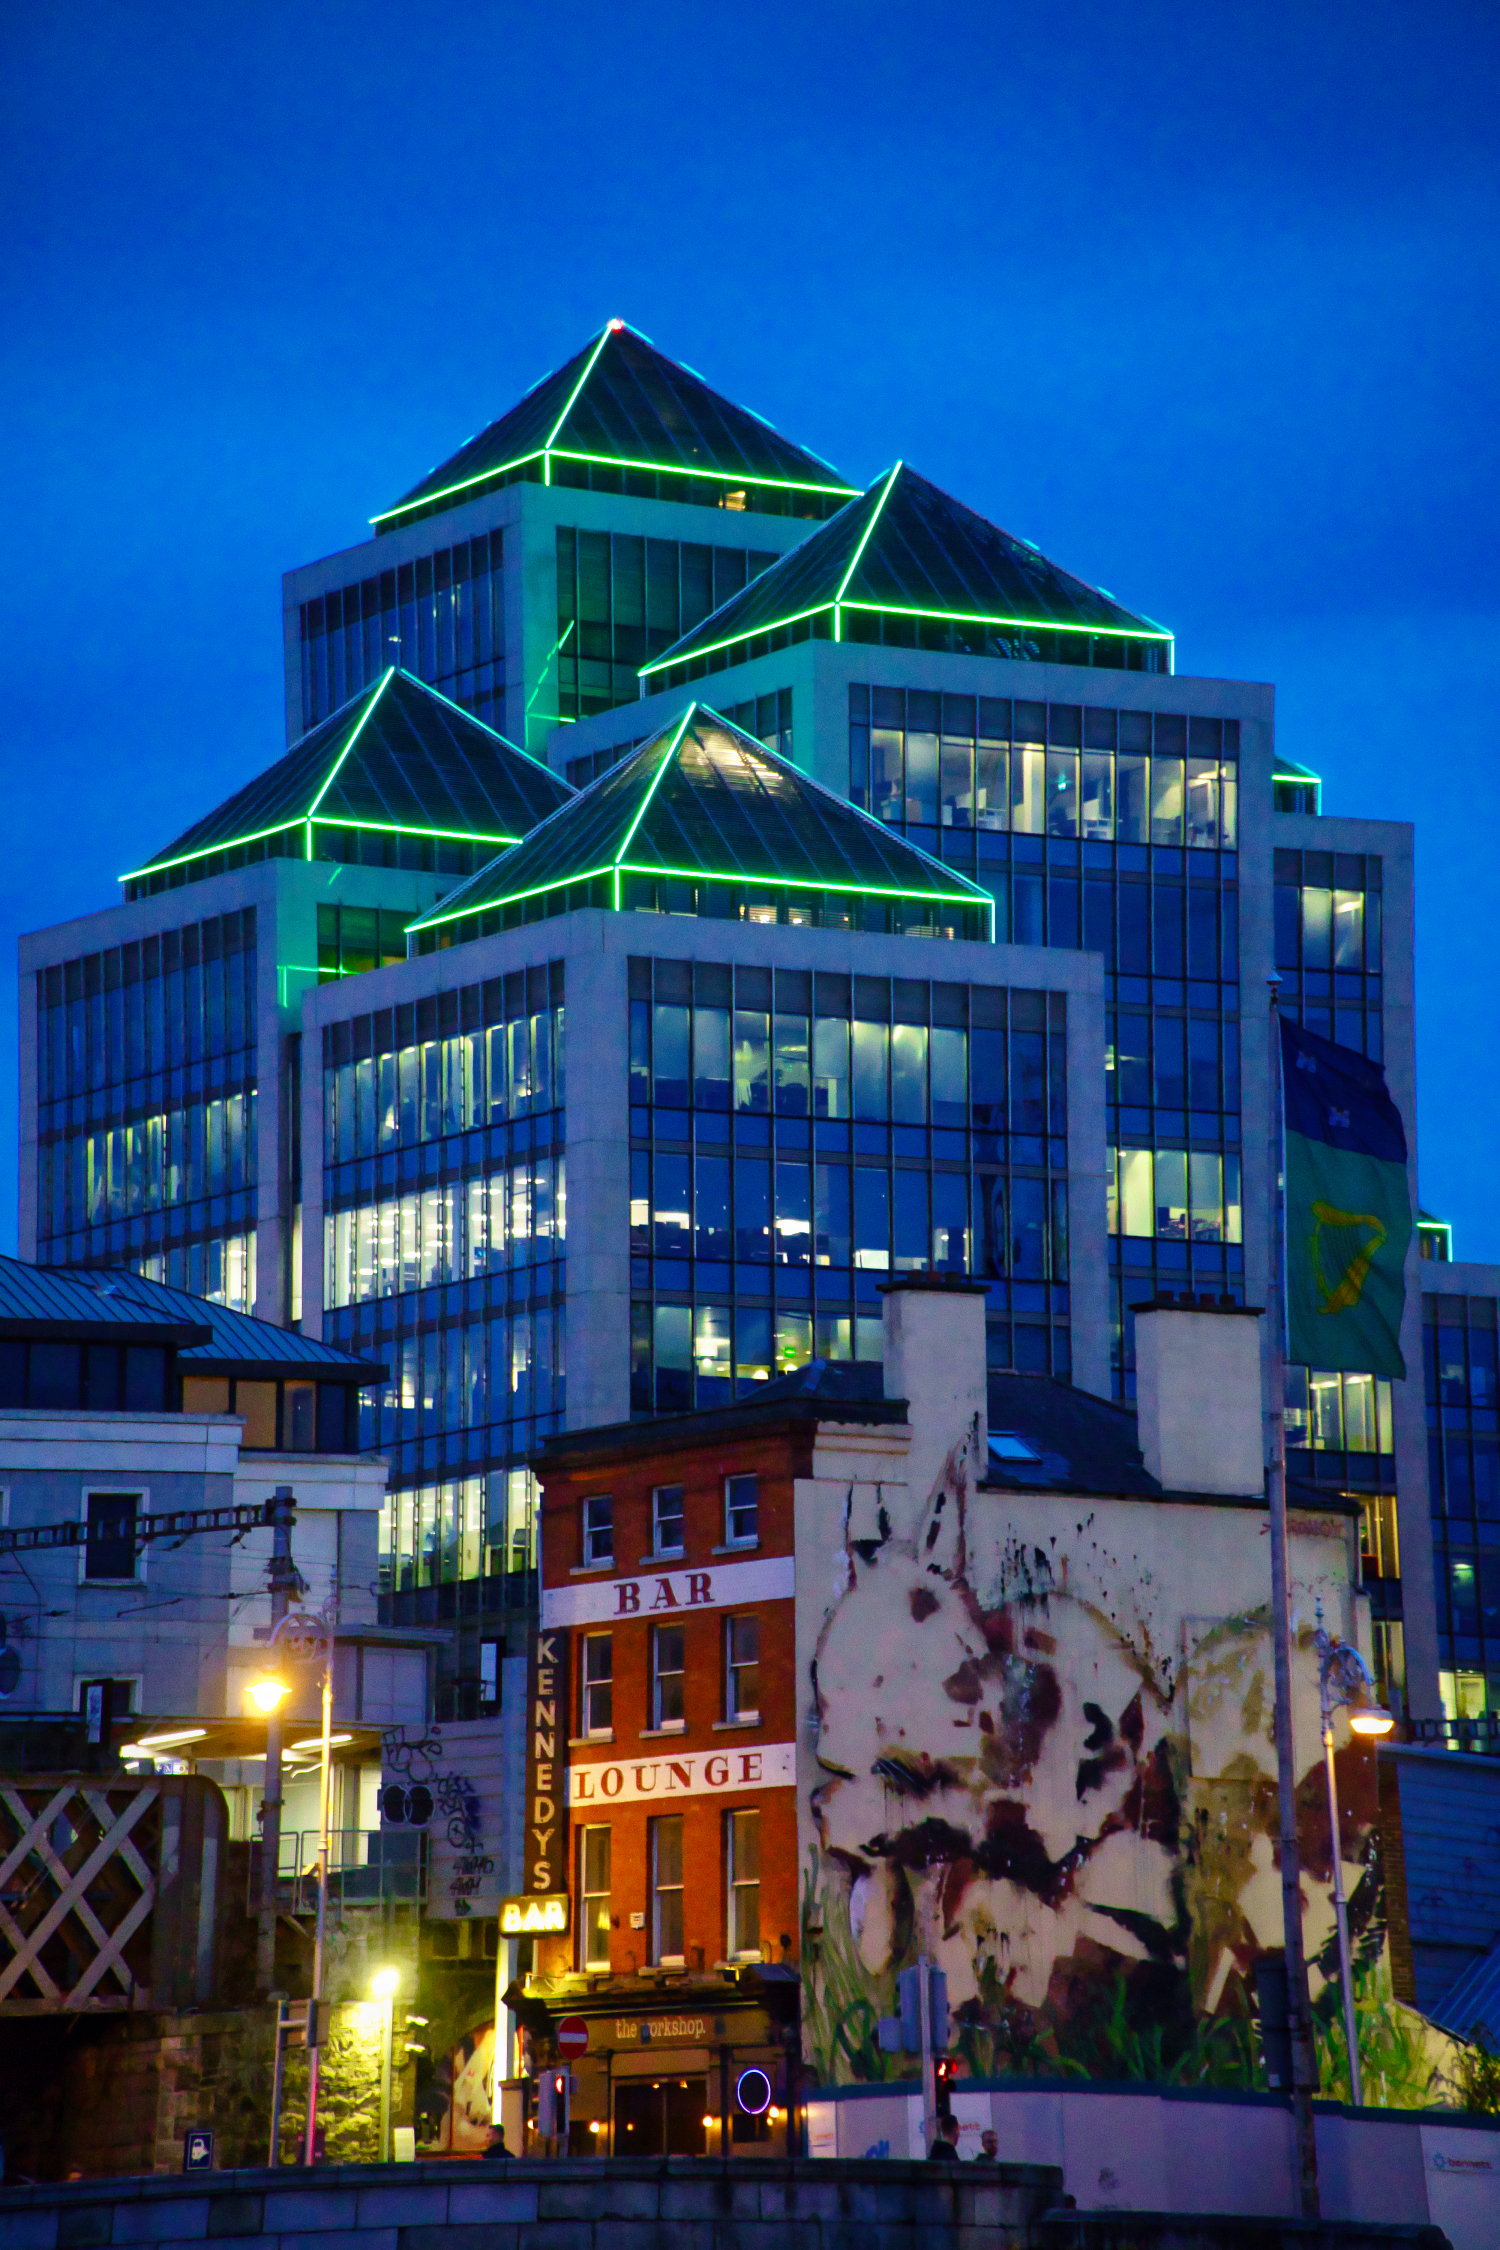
(572, 2037)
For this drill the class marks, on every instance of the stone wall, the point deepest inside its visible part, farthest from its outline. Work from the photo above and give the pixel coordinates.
(117, 2097)
(678, 2203)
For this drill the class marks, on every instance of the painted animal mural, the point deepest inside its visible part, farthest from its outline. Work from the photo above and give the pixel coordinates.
(1034, 1766)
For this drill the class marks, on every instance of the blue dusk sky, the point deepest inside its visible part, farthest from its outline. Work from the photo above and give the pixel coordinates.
(1202, 300)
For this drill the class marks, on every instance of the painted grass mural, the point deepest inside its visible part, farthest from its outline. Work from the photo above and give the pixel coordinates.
(1043, 1755)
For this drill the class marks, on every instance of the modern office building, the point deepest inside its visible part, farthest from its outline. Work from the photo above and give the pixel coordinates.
(958, 740)
(698, 1128)
(576, 537)
(160, 1038)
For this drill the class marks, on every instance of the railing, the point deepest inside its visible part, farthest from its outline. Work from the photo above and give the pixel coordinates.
(1480, 1736)
(366, 1867)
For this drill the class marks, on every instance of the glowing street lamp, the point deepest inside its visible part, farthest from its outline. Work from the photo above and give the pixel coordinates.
(383, 1984)
(1344, 1679)
(268, 1693)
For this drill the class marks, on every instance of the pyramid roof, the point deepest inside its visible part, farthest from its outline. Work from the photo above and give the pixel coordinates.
(906, 548)
(703, 800)
(397, 756)
(623, 402)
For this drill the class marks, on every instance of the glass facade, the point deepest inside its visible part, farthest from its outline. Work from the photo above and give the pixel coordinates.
(445, 1220)
(441, 617)
(1463, 1476)
(146, 1091)
(1328, 945)
(1115, 831)
(767, 717)
(622, 600)
(352, 939)
(797, 1139)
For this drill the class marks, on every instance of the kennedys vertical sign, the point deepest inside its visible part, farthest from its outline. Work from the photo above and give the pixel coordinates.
(546, 1764)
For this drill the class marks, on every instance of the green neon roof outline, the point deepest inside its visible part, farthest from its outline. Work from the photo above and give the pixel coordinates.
(159, 866)
(896, 609)
(968, 894)
(610, 461)
(665, 761)
(593, 360)
(620, 867)
(1030, 624)
(324, 820)
(864, 539)
(338, 764)
(713, 647)
(514, 898)
(1287, 769)
(504, 838)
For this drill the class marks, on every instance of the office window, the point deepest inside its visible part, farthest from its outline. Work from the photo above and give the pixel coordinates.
(598, 1529)
(667, 1708)
(742, 1667)
(666, 1889)
(593, 1894)
(110, 1551)
(666, 1512)
(741, 1511)
(742, 1840)
(598, 1684)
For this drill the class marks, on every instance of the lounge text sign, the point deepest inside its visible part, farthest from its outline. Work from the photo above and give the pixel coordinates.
(547, 1734)
(696, 1773)
(656, 1593)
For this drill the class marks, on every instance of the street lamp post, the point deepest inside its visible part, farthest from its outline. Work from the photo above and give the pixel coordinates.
(384, 1986)
(285, 1581)
(302, 1637)
(1344, 1678)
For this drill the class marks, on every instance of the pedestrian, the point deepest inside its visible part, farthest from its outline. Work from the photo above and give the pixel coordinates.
(989, 2147)
(497, 2145)
(944, 2149)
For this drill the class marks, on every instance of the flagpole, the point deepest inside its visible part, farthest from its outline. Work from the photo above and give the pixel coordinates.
(1304, 2056)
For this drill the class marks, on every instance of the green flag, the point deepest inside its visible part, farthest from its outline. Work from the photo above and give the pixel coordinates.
(1348, 1208)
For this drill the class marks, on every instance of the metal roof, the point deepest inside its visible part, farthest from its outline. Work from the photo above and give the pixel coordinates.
(93, 1303)
(397, 756)
(621, 400)
(701, 798)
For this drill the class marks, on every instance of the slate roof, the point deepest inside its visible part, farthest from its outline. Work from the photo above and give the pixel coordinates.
(702, 798)
(907, 546)
(95, 1305)
(620, 399)
(398, 755)
(1473, 2004)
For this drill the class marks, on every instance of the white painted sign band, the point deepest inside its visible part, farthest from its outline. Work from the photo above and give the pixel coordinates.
(690, 1773)
(600, 1600)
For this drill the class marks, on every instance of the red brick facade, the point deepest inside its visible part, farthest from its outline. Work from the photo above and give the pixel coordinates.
(704, 1769)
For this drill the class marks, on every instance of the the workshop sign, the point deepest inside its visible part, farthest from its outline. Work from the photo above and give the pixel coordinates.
(546, 1843)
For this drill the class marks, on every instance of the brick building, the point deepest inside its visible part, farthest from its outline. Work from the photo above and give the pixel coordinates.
(667, 1555)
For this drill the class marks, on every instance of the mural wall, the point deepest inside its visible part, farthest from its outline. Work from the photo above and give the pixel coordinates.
(1039, 1748)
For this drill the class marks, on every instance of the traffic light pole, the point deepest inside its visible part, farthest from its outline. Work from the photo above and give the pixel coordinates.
(924, 2022)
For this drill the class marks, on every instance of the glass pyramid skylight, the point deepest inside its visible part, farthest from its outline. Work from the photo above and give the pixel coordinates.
(703, 819)
(622, 405)
(909, 566)
(398, 760)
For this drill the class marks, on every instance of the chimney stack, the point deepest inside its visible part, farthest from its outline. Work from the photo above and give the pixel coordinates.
(1198, 1394)
(934, 1359)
